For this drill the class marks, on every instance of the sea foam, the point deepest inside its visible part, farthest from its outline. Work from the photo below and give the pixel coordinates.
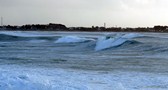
(22, 78)
(71, 39)
(113, 41)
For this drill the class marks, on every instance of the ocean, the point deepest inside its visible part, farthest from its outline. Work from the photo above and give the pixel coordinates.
(41, 60)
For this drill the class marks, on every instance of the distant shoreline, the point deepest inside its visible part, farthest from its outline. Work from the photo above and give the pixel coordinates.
(61, 27)
(88, 31)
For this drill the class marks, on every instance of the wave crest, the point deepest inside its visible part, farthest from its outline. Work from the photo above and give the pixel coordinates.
(113, 41)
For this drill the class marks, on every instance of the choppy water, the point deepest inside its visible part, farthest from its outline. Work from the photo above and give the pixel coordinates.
(145, 55)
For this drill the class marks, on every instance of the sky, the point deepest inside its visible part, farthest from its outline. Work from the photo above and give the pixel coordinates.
(87, 13)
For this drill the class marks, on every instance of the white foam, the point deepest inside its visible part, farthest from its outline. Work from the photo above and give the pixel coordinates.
(113, 41)
(22, 78)
(71, 39)
(104, 44)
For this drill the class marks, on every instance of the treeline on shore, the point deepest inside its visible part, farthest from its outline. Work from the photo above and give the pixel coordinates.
(61, 27)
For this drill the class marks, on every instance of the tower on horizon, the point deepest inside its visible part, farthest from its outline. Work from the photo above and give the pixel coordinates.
(104, 25)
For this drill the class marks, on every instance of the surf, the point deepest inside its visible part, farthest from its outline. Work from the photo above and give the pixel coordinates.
(110, 41)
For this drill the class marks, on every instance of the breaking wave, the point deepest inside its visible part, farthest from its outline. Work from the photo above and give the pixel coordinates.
(105, 42)
(72, 39)
(114, 41)
(125, 61)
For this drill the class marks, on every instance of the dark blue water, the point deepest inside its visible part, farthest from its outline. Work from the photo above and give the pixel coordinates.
(145, 54)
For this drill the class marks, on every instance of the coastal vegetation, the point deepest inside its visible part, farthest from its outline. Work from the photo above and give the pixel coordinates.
(61, 27)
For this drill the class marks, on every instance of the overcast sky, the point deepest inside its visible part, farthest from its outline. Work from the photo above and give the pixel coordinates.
(124, 13)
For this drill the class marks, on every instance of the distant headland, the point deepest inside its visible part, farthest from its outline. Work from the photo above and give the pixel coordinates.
(61, 27)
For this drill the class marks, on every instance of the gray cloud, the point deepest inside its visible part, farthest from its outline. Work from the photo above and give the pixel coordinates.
(85, 12)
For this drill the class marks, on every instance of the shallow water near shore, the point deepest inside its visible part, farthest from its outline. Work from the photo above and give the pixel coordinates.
(34, 60)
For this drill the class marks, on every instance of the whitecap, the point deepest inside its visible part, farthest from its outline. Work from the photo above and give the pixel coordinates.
(113, 41)
(71, 39)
